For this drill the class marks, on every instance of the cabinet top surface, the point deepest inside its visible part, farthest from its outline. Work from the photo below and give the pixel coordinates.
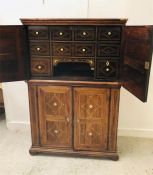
(72, 21)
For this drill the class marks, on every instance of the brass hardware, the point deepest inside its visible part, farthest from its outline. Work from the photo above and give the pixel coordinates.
(38, 48)
(54, 104)
(68, 120)
(78, 120)
(61, 33)
(107, 63)
(107, 69)
(147, 65)
(61, 49)
(90, 133)
(84, 33)
(83, 50)
(109, 33)
(39, 67)
(56, 131)
(90, 106)
(37, 33)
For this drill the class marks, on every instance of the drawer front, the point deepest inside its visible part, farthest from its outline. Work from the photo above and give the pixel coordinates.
(38, 32)
(107, 69)
(40, 48)
(109, 33)
(40, 67)
(61, 33)
(84, 49)
(84, 33)
(108, 49)
(61, 49)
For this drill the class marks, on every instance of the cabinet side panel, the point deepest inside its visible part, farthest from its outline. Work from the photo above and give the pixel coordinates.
(113, 119)
(34, 115)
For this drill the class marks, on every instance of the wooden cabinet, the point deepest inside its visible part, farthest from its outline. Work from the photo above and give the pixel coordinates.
(75, 68)
(76, 118)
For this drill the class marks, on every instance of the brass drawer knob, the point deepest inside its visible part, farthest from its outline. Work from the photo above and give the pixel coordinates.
(55, 131)
(39, 67)
(83, 50)
(61, 33)
(54, 104)
(61, 49)
(90, 106)
(68, 120)
(84, 33)
(107, 69)
(107, 63)
(38, 48)
(90, 133)
(109, 33)
(37, 33)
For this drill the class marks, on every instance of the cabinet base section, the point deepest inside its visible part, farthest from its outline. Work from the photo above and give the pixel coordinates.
(109, 155)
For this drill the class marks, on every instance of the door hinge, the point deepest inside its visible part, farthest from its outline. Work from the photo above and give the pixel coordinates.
(147, 65)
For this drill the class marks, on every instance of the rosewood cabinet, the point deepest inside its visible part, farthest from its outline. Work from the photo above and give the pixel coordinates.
(75, 68)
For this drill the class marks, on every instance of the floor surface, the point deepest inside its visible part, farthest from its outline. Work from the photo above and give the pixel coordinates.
(136, 158)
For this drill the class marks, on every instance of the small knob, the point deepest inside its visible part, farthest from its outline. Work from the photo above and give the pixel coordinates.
(61, 49)
(84, 33)
(68, 120)
(38, 48)
(39, 67)
(90, 133)
(90, 106)
(109, 33)
(61, 33)
(55, 131)
(36, 33)
(83, 50)
(107, 69)
(107, 63)
(54, 104)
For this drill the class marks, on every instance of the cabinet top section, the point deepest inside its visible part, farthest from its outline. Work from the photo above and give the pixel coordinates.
(72, 21)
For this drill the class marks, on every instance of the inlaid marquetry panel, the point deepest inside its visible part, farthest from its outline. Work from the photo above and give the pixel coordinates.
(61, 33)
(40, 67)
(55, 115)
(61, 49)
(109, 33)
(38, 32)
(84, 49)
(39, 48)
(107, 69)
(91, 111)
(108, 49)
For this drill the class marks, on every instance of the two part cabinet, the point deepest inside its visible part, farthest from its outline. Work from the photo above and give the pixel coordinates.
(75, 68)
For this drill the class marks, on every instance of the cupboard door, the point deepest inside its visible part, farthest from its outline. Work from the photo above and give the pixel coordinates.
(137, 60)
(91, 111)
(55, 116)
(13, 53)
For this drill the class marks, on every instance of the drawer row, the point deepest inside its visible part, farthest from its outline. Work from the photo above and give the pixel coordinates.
(74, 33)
(74, 49)
(103, 68)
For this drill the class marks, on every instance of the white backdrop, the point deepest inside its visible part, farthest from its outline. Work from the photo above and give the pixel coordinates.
(136, 118)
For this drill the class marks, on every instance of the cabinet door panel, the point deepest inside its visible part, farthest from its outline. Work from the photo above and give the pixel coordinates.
(55, 116)
(13, 53)
(91, 110)
(137, 60)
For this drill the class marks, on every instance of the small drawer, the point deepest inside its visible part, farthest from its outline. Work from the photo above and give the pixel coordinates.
(84, 49)
(84, 33)
(61, 33)
(40, 67)
(108, 49)
(107, 69)
(109, 33)
(38, 32)
(61, 49)
(39, 48)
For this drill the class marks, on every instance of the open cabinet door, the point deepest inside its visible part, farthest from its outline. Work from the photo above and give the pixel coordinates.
(13, 53)
(137, 60)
